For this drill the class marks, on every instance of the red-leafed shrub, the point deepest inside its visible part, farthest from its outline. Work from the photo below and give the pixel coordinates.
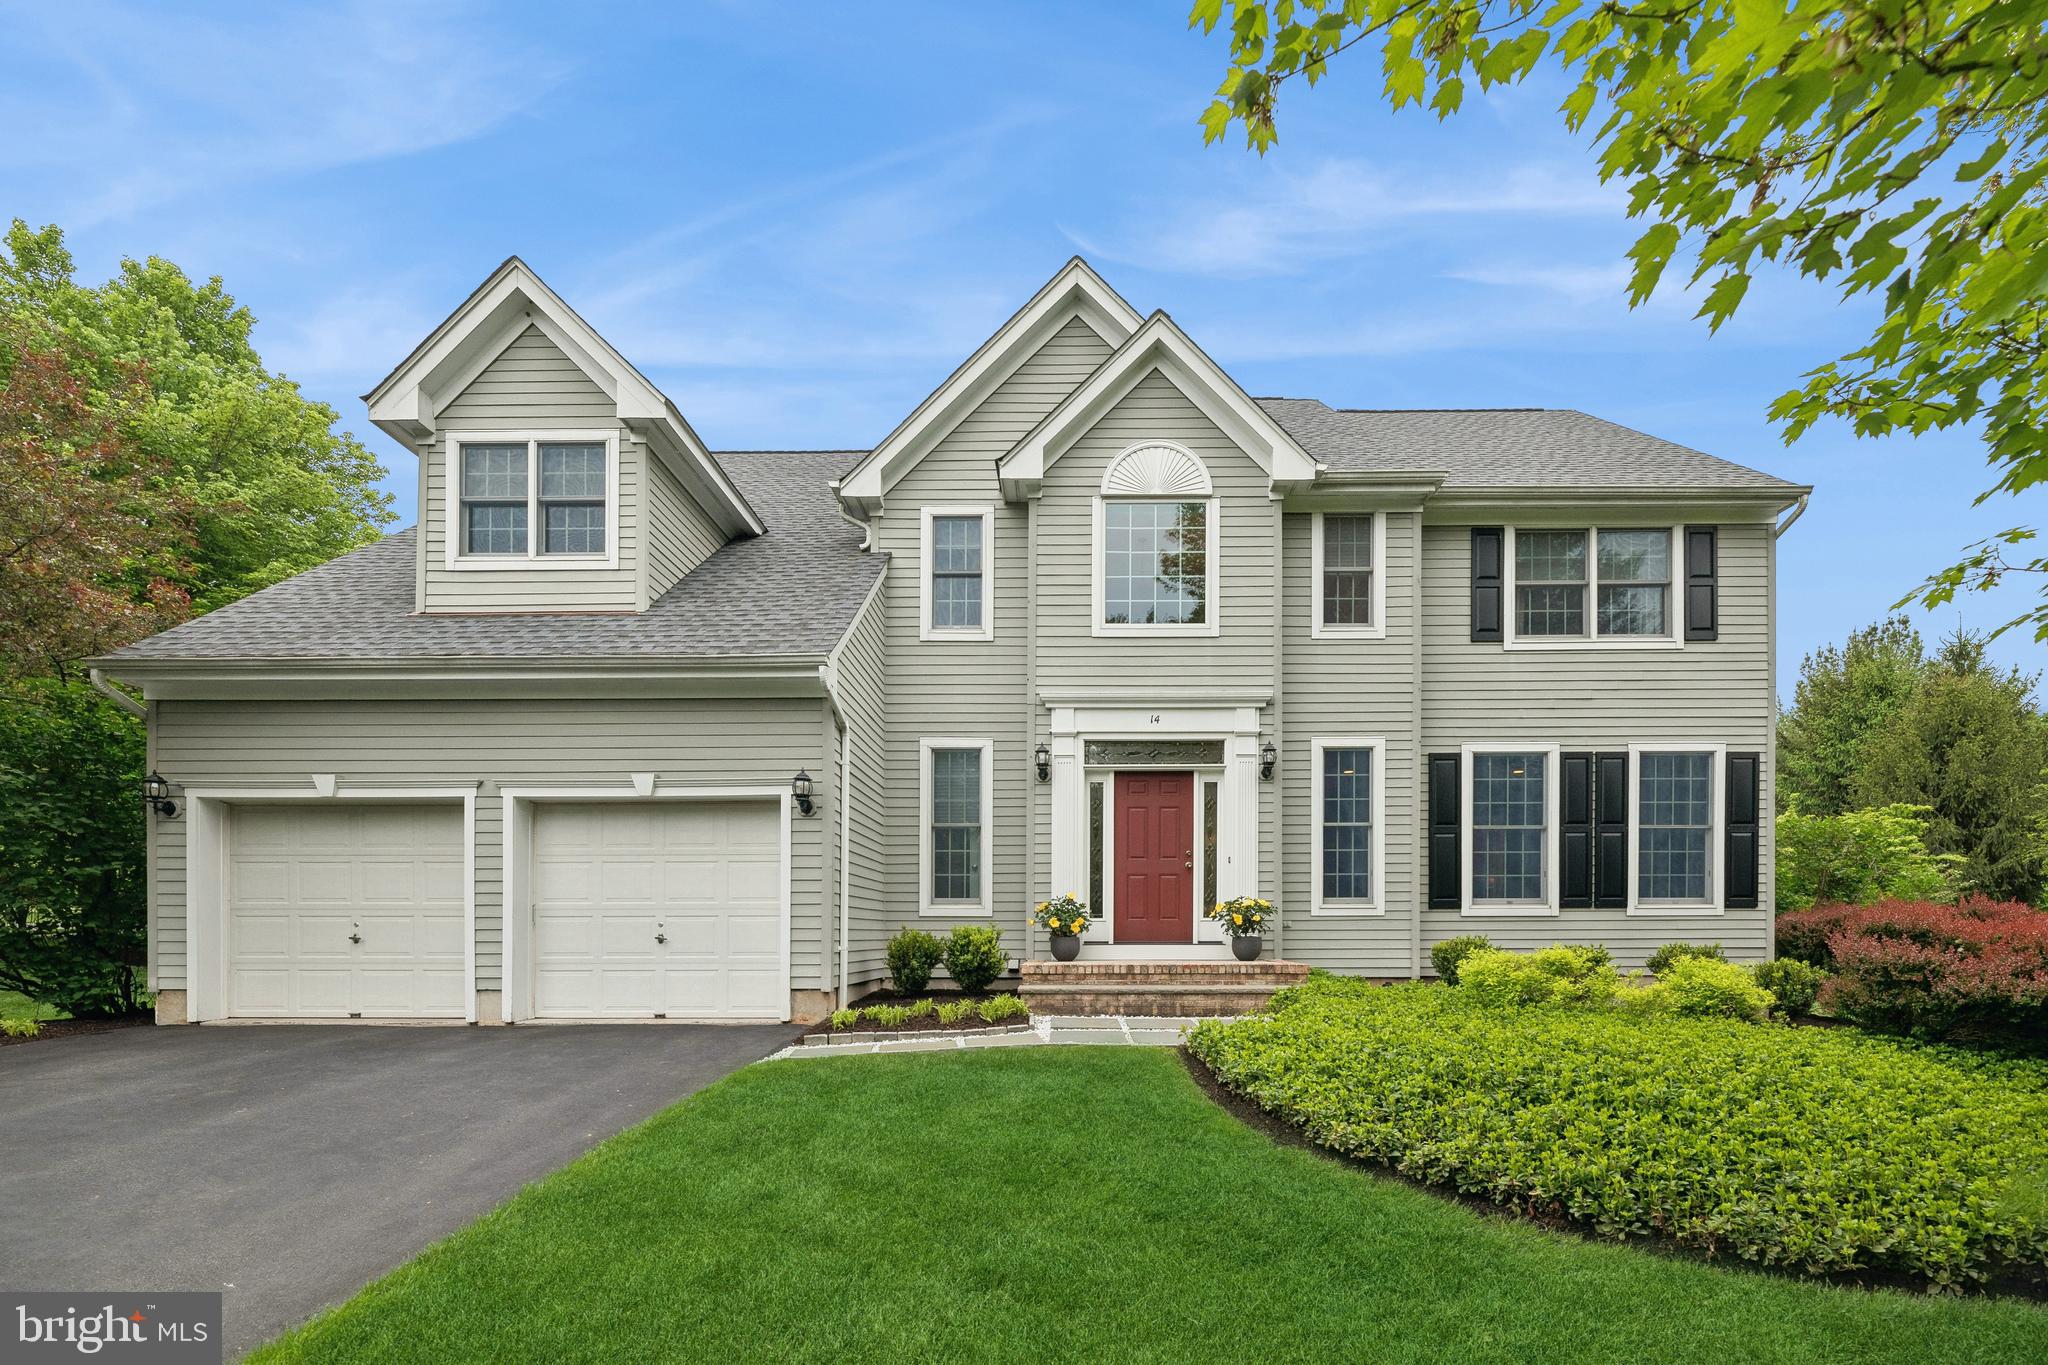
(1978, 968)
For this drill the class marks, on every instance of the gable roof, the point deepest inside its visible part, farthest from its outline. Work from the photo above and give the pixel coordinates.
(1506, 449)
(1158, 344)
(794, 590)
(1075, 291)
(407, 403)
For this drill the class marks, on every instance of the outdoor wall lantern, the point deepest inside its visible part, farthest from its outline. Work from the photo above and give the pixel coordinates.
(800, 788)
(156, 794)
(1268, 756)
(1042, 756)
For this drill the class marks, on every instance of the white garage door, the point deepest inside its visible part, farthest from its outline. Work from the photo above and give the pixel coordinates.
(342, 911)
(659, 909)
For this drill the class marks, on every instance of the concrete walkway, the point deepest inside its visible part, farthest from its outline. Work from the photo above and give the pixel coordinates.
(1114, 1030)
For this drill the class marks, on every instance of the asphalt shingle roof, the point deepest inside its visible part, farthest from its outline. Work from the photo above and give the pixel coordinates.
(794, 590)
(1505, 448)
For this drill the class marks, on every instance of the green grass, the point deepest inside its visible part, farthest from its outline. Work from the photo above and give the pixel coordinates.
(1062, 1204)
(15, 1005)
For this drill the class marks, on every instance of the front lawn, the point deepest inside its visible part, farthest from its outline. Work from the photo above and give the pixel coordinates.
(1061, 1203)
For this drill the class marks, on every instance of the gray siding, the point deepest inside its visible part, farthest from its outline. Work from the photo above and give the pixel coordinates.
(1350, 688)
(680, 534)
(461, 741)
(531, 387)
(968, 689)
(863, 702)
(1716, 691)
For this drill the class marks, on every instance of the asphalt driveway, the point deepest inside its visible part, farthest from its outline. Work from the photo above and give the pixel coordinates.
(289, 1166)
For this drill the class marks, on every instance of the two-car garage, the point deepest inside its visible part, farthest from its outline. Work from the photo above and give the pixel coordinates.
(648, 907)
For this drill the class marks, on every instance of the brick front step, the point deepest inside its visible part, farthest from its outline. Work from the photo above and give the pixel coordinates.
(1156, 988)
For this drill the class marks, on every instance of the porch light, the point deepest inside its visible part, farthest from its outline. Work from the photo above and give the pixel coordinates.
(1268, 757)
(800, 788)
(1042, 756)
(156, 794)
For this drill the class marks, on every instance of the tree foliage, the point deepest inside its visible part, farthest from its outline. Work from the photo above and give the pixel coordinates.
(1843, 697)
(1860, 856)
(1892, 147)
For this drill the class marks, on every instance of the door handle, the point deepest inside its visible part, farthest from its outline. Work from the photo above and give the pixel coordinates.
(355, 938)
(1188, 859)
(661, 938)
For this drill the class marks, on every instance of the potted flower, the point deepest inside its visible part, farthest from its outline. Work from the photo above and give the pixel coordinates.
(1244, 919)
(1065, 917)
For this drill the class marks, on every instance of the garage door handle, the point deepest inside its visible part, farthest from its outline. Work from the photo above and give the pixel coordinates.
(661, 938)
(355, 938)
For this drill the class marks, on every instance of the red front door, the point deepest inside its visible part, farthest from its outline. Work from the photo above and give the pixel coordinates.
(1155, 858)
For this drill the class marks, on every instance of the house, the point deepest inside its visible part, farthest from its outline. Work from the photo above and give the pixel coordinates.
(629, 728)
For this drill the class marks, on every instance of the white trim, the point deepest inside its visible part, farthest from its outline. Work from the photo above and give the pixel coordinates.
(1717, 819)
(520, 961)
(1177, 474)
(206, 891)
(987, 629)
(451, 529)
(1555, 839)
(962, 909)
(1375, 904)
(1377, 628)
(1212, 605)
(1674, 609)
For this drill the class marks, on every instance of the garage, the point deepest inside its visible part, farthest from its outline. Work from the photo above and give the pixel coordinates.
(346, 911)
(665, 909)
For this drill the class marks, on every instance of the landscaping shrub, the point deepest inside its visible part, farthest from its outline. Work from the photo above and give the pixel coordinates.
(1860, 856)
(974, 956)
(1702, 988)
(920, 1009)
(888, 1016)
(1564, 974)
(912, 955)
(1810, 1149)
(955, 1011)
(997, 1008)
(1795, 984)
(1446, 955)
(1976, 969)
(844, 1018)
(1661, 960)
(26, 1027)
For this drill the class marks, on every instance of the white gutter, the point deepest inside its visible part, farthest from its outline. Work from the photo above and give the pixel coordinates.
(116, 695)
(1798, 511)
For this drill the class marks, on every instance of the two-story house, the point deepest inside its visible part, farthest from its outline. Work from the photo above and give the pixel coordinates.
(628, 728)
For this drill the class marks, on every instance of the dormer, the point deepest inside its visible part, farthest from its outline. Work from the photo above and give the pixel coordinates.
(554, 477)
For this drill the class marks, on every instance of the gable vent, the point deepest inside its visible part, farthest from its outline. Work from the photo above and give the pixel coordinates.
(1156, 470)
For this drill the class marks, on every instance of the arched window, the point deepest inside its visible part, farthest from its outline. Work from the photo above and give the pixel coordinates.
(1155, 544)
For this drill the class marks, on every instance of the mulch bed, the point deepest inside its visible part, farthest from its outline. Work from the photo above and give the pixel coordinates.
(929, 1024)
(71, 1028)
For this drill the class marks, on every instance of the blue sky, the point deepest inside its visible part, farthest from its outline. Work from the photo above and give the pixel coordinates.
(799, 229)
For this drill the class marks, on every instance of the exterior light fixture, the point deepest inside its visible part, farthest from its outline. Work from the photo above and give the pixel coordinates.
(1042, 756)
(800, 788)
(156, 794)
(1268, 757)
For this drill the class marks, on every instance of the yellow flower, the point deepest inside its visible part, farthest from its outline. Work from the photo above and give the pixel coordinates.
(1237, 919)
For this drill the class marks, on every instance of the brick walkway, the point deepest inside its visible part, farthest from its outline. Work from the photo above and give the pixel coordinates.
(1114, 1030)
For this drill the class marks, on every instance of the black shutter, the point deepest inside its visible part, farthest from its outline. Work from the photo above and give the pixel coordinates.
(1575, 825)
(1446, 854)
(1745, 798)
(1487, 542)
(1610, 831)
(1702, 598)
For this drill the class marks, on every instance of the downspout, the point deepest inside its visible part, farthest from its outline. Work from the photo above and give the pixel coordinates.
(116, 695)
(1418, 879)
(1798, 511)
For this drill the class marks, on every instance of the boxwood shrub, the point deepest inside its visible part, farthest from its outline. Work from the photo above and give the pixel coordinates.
(1806, 1149)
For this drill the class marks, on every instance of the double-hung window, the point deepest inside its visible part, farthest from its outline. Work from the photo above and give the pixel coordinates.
(1609, 585)
(1511, 804)
(958, 544)
(1675, 847)
(1346, 830)
(957, 791)
(1350, 581)
(532, 500)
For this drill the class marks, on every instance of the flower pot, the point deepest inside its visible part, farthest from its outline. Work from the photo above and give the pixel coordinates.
(1066, 947)
(1246, 946)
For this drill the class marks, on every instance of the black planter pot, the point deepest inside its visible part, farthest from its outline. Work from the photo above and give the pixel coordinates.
(1066, 947)
(1247, 946)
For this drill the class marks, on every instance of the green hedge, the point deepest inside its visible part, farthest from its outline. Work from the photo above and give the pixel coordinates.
(1808, 1149)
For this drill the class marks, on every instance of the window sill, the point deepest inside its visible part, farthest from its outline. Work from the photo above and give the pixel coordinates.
(1509, 911)
(1612, 642)
(1347, 910)
(1105, 628)
(1703, 909)
(1320, 632)
(930, 635)
(503, 563)
(955, 910)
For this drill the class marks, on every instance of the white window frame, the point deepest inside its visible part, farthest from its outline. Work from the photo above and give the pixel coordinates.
(1674, 614)
(1552, 826)
(1717, 842)
(1377, 628)
(1375, 904)
(451, 538)
(987, 629)
(1212, 607)
(961, 909)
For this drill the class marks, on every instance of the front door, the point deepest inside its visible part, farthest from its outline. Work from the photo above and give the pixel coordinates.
(1155, 858)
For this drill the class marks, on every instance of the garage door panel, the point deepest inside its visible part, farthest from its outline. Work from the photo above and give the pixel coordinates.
(706, 876)
(339, 910)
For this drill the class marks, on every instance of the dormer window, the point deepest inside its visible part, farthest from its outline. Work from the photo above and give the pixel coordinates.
(533, 501)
